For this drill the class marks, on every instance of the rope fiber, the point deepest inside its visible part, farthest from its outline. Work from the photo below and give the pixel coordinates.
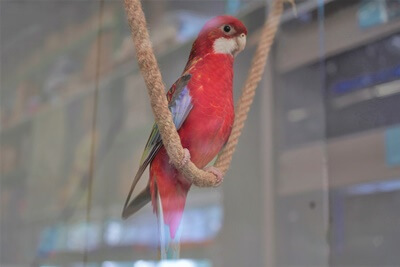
(154, 83)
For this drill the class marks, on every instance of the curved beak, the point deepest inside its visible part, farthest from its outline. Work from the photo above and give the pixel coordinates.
(241, 43)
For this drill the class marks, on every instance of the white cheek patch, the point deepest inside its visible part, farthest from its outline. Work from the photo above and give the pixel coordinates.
(224, 46)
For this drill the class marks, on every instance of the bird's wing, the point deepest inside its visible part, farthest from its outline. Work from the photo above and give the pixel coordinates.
(180, 104)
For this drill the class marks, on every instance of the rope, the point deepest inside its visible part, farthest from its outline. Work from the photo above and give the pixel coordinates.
(254, 77)
(152, 76)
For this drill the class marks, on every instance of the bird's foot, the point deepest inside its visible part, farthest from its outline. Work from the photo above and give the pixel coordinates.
(217, 173)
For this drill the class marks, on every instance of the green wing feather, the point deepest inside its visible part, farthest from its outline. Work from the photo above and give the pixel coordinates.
(151, 145)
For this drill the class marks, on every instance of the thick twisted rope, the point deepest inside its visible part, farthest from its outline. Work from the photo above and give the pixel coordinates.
(249, 89)
(152, 76)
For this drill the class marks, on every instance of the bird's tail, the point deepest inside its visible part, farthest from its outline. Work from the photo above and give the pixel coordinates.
(169, 245)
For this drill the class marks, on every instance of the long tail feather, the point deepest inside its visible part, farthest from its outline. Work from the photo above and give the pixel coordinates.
(169, 247)
(137, 203)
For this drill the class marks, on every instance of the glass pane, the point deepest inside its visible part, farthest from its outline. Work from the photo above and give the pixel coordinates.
(314, 180)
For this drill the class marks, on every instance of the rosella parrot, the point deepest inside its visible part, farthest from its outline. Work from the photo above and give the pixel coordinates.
(201, 103)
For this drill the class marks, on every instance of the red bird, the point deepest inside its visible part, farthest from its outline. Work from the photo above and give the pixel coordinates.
(201, 102)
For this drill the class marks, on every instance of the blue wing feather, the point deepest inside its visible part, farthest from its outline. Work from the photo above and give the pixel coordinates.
(181, 108)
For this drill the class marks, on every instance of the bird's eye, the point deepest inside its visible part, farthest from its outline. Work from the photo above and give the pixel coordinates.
(227, 28)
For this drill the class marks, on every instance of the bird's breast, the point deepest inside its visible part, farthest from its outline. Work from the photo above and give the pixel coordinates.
(204, 133)
(208, 126)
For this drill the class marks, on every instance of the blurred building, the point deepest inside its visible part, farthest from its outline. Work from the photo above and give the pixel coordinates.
(316, 177)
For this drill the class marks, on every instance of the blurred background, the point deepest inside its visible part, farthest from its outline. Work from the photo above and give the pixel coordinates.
(315, 180)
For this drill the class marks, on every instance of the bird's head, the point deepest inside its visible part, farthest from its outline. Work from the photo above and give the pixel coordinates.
(220, 35)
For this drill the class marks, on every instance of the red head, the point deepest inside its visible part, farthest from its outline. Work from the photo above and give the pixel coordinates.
(220, 35)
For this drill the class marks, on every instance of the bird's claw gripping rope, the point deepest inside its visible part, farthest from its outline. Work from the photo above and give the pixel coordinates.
(218, 174)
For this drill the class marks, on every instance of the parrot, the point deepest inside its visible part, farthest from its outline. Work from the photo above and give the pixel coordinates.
(202, 108)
